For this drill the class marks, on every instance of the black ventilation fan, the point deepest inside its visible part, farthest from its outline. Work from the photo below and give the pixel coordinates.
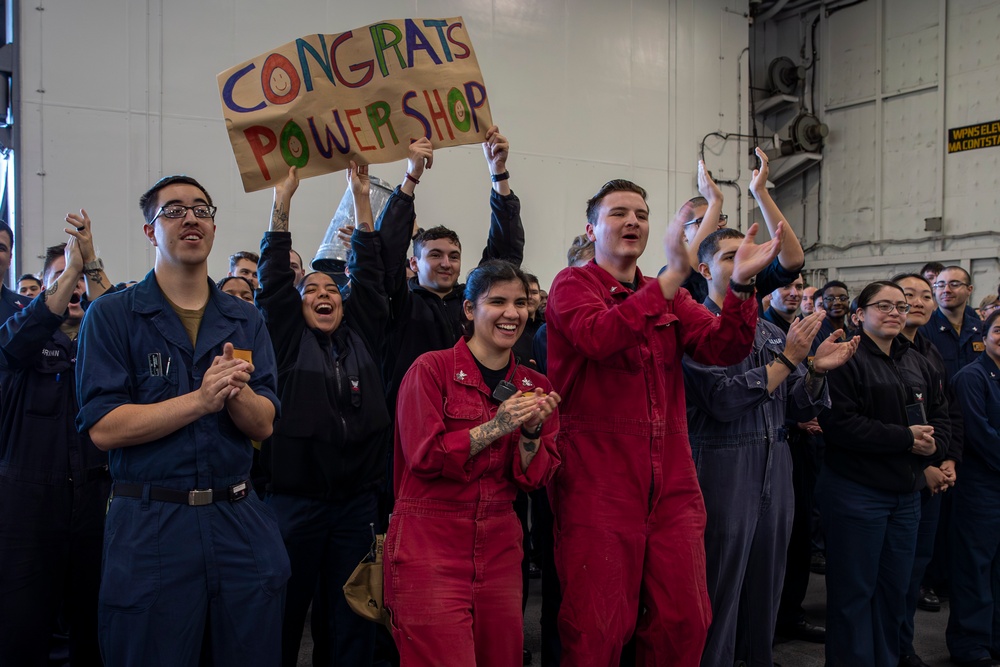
(783, 76)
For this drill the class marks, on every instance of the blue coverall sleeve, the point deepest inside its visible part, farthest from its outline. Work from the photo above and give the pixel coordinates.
(979, 401)
(25, 333)
(103, 378)
(722, 396)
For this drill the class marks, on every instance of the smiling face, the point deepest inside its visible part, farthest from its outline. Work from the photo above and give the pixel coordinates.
(438, 265)
(499, 316)
(6, 243)
(921, 300)
(247, 269)
(808, 304)
(884, 326)
(787, 299)
(622, 228)
(952, 298)
(836, 301)
(74, 312)
(322, 306)
(992, 340)
(534, 299)
(183, 241)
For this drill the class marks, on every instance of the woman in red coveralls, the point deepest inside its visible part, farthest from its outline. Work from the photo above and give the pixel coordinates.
(472, 427)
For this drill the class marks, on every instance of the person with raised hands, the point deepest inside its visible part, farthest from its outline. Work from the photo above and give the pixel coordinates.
(326, 459)
(175, 380)
(472, 427)
(54, 482)
(737, 426)
(629, 514)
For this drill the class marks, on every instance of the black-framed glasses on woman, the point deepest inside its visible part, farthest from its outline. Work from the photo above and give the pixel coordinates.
(888, 306)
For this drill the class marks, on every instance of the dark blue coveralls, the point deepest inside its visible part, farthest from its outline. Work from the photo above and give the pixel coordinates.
(974, 538)
(53, 487)
(175, 574)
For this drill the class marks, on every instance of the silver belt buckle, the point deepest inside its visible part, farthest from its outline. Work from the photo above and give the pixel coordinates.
(197, 497)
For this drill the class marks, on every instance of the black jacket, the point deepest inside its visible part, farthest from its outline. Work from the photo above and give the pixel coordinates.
(421, 321)
(867, 431)
(332, 438)
(38, 438)
(924, 346)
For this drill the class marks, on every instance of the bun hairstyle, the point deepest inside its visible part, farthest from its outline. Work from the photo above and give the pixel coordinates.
(485, 276)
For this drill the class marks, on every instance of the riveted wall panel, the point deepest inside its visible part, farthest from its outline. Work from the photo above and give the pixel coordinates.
(910, 56)
(910, 137)
(851, 44)
(849, 176)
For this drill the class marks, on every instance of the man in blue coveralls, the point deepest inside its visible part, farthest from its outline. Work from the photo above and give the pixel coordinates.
(176, 378)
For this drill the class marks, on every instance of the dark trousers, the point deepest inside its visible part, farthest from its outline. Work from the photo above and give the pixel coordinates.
(50, 559)
(930, 509)
(521, 509)
(325, 540)
(543, 524)
(871, 536)
(799, 553)
(974, 540)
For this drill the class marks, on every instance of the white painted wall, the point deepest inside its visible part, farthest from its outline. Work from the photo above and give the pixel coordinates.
(893, 76)
(117, 93)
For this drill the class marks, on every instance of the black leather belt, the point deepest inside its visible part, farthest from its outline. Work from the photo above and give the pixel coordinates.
(194, 497)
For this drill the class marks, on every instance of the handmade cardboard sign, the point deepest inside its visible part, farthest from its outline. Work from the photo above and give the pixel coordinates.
(363, 95)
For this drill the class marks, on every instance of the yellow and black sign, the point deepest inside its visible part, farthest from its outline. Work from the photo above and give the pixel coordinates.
(971, 137)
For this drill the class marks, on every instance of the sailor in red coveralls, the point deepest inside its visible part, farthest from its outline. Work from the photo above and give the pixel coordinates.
(629, 514)
(472, 426)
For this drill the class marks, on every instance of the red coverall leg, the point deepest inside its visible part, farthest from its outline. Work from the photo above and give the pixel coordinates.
(453, 585)
(613, 553)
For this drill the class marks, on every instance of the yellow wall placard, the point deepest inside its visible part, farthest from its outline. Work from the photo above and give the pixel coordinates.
(971, 137)
(363, 95)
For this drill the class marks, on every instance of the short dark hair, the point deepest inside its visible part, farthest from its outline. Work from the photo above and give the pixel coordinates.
(932, 266)
(687, 209)
(581, 247)
(953, 267)
(147, 202)
(299, 256)
(52, 253)
(833, 283)
(222, 283)
(710, 245)
(433, 234)
(242, 254)
(531, 278)
(991, 319)
(4, 227)
(489, 273)
(871, 289)
(615, 185)
(30, 276)
(903, 276)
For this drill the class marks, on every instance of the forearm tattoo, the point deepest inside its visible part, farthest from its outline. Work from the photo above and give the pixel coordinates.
(481, 437)
(52, 288)
(279, 218)
(94, 276)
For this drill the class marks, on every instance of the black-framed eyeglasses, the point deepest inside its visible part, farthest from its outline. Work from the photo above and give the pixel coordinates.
(175, 211)
(888, 306)
(723, 218)
(954, 284)
(839, 298)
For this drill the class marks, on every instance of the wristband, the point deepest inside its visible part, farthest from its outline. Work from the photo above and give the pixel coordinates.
(496, 178)
(743, 289)
(94, 265)
(531, 435)
(813, 371)
(413, 180)
(785, 360)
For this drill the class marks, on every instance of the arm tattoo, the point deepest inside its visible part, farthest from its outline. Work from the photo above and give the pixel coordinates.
(279, 218)
(94, 276)
(500, 425)
(52, 288)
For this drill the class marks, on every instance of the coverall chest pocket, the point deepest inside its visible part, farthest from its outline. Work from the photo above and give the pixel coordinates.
(665, 336)
(154, 386)
(459, 412)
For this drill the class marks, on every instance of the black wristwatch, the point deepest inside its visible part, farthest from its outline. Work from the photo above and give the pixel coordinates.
(749, 288)
(532, 435)
(503, 176)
